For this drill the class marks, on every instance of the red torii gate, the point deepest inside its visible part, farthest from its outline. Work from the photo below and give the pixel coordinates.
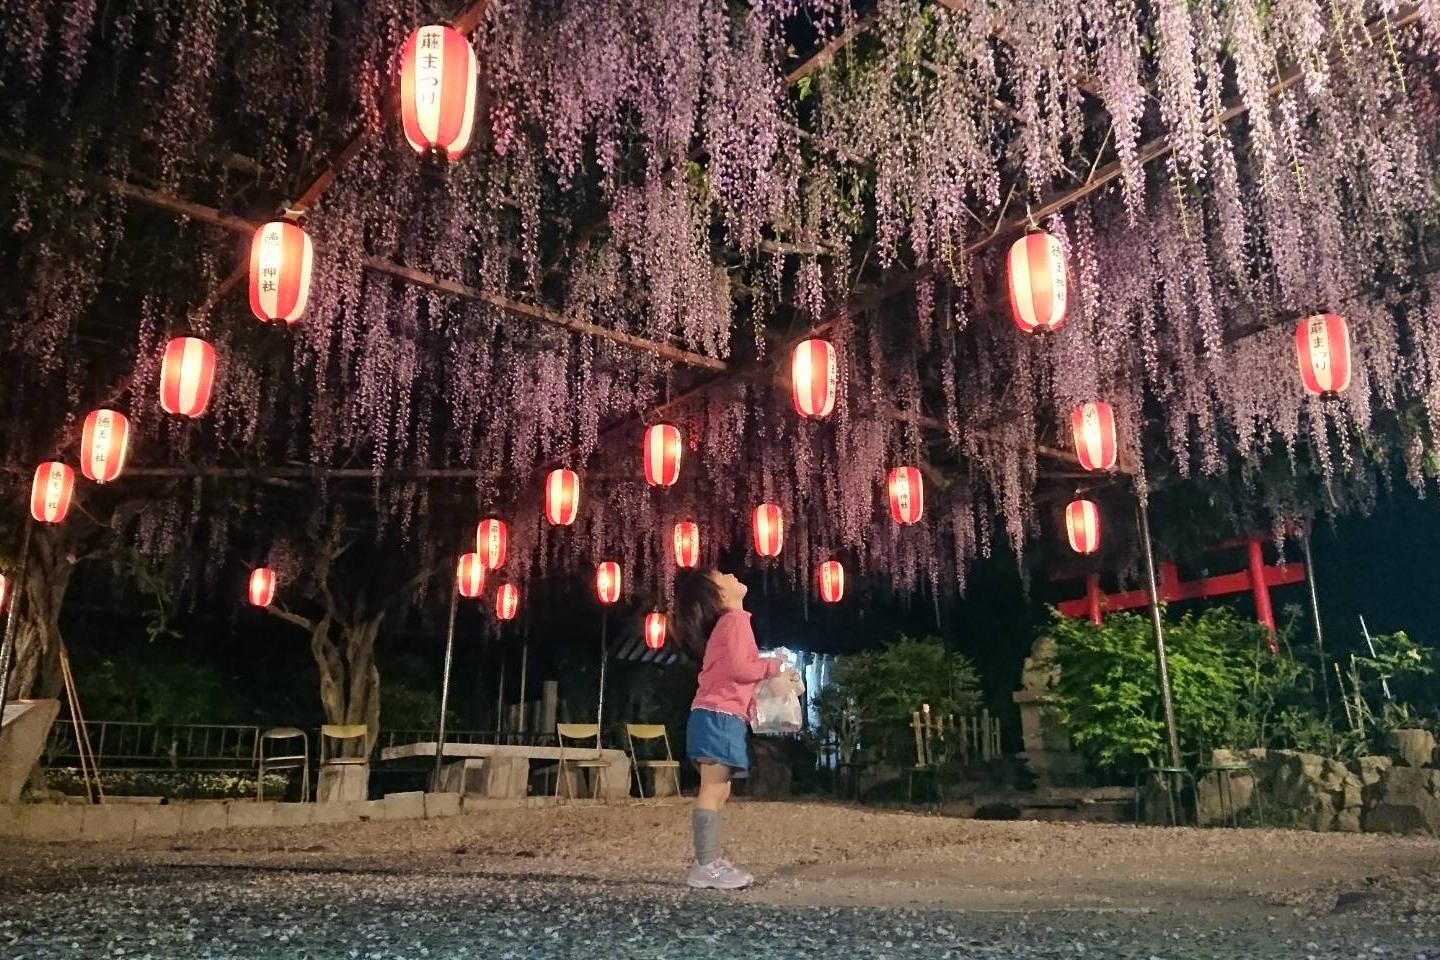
(1257, 577)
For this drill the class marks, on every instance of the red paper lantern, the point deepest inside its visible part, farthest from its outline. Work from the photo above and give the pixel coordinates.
(507, 601)
(655, 630)
(1082, 526)
(687, 543)
(662, 455)
(1323, 345)
(4, 590)
(280, 258)
(1093, 425)
(1038, 282)
(769, 525)
(562, 497)
(262, 587)
(907, 495)
(832, 581)
(51, 492)
(814, 373)
(491, 539)
(470, 575)
(186, 376)
(607, 582)
(104, 441)
(437, 90)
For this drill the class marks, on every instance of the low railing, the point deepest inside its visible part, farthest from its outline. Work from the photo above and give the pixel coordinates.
(124, 744)
(156, 746)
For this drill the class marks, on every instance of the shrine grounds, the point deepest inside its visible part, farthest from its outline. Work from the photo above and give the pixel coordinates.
(833, 881)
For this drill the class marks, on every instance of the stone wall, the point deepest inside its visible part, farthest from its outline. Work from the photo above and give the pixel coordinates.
(120, 821)
(1375, 793)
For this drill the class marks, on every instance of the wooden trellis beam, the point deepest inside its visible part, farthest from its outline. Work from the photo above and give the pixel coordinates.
(240, 225)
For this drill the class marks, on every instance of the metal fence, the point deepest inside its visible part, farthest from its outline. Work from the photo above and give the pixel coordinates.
(156, 746)
(123, 744)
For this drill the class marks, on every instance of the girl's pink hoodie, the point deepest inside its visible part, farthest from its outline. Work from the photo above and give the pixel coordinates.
(733, 667)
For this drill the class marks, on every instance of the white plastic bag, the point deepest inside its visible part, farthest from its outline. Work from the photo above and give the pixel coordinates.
(777, 708)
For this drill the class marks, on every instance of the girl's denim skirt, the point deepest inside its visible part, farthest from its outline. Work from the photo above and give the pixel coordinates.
(711, 735)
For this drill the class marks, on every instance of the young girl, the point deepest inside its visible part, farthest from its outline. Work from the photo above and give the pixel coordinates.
(712, 627)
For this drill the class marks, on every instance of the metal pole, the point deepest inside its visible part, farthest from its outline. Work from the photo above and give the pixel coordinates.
(500, 698)
(600, 709)
(1162, 665)
(1384, 684)
(1315, 614)
(524, 669)
(445, 686)
(7, 644)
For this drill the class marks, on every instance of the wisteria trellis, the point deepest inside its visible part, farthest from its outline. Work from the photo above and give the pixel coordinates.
(646, 167)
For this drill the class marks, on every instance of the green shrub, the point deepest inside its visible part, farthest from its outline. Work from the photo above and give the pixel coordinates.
(876, 693)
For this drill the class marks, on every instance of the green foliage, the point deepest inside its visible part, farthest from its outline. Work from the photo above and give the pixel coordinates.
(1108, 691)
(155, 687)
(875, 693)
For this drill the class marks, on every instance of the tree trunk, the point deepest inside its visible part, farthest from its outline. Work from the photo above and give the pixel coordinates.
(41, 594)
(349, 678)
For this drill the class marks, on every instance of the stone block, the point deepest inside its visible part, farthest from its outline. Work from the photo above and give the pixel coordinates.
(10, 814)
(1370, 769)
(203, 815)
(158, 821)
(294, 814)
(1412, 748)
(1218, 794)
(506, 778)
(1347, 821)
(1407, 800)
(465, 776)
(108, 822)
(46, 822)
(614, 780)
(343, 781)
(442, 805)
(24, 728)
(403, 806)
(246, 814)
(338, 812)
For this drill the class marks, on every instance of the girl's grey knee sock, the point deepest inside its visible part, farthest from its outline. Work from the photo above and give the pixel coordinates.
(705, 824)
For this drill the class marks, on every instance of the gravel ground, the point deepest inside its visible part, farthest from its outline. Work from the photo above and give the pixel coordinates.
(603, 883)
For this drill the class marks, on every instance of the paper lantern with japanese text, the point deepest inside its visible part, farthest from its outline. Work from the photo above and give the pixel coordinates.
(1038, 283)
(907, 495)
(769, 525)
(104, 441)
(1322, 343)
(507, 601)
(51, 492)
(1093, 426)
(470, 575)
(562, 497)
(686, 536)
(814, 377)
(262, 587)
(438, 83)
(663, 450)
(280, 259)
(187, 375)
(655, 630)
(832, 581)
(492, 538)
(607, 582)
(1082, 526)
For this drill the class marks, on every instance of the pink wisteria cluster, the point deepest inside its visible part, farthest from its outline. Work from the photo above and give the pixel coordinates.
(678, 174)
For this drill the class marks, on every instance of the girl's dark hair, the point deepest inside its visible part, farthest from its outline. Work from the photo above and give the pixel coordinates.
(697, 608)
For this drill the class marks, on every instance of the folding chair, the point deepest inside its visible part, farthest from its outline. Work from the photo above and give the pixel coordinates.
(587, 759)
(651, 731)
(287, 759)
(341, 732)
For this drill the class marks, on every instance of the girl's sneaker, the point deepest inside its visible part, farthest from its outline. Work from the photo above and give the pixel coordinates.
(718, 875)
